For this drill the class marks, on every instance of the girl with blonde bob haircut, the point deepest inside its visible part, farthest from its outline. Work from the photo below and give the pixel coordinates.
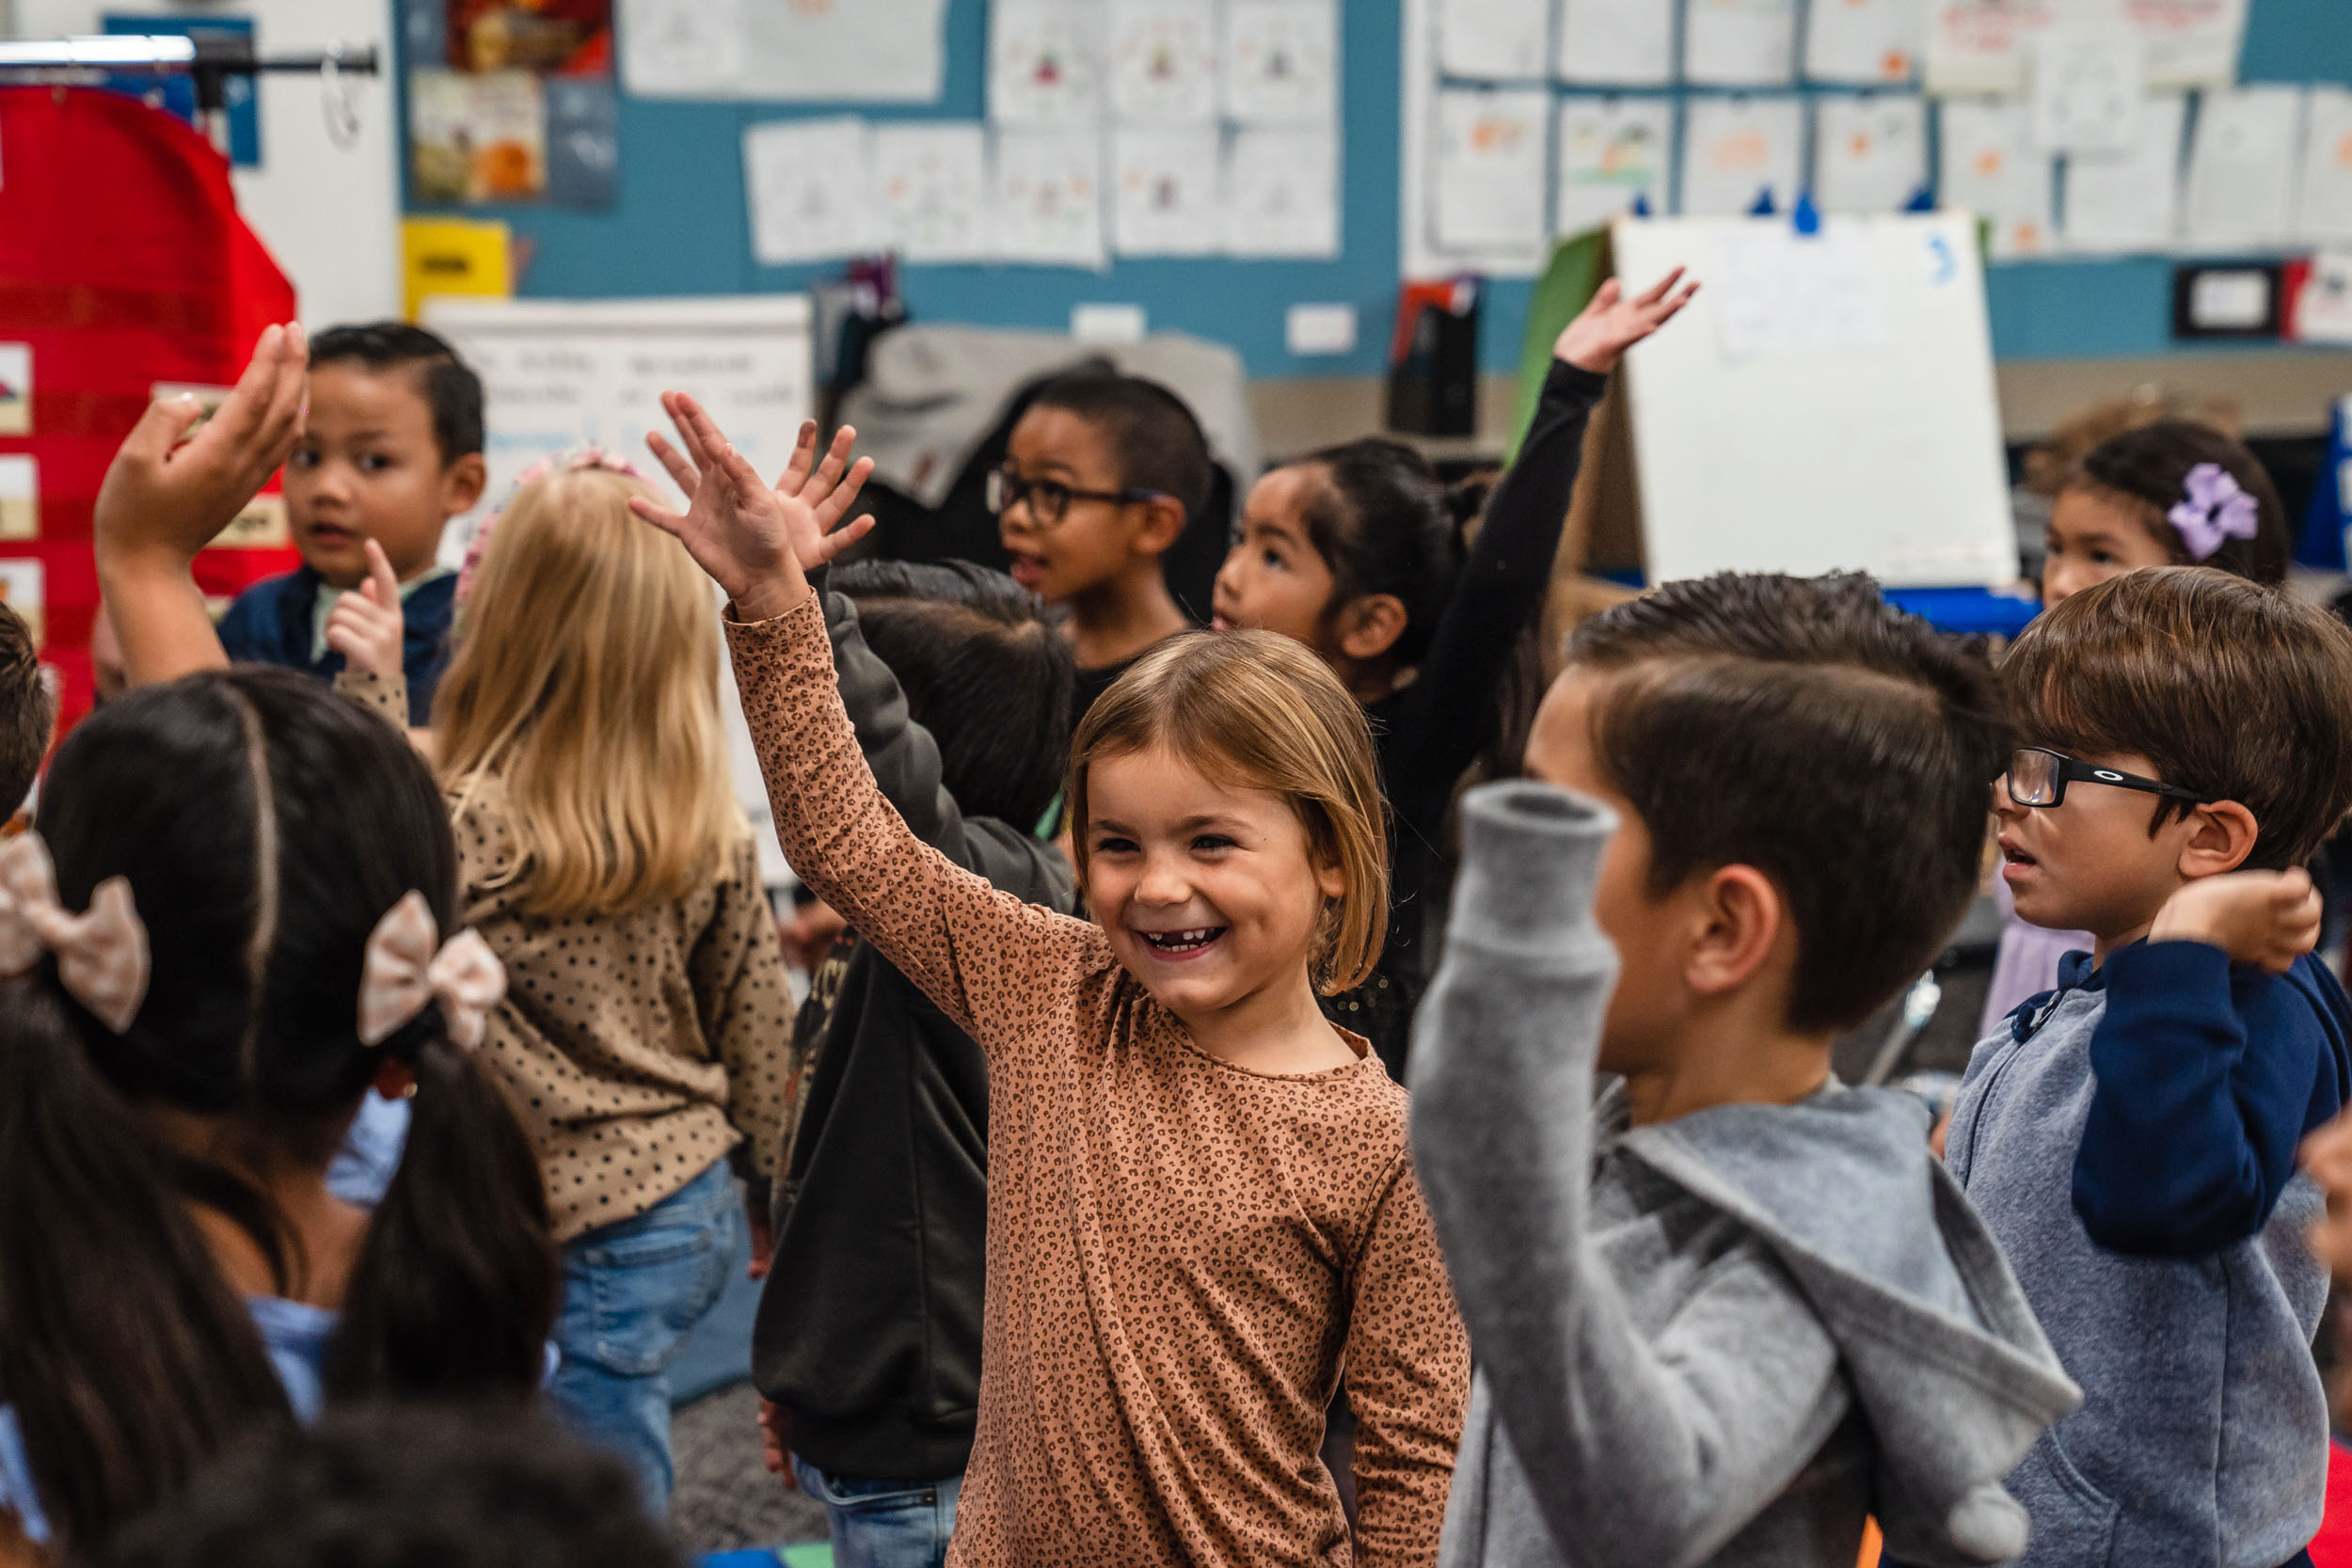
(604, 860)
(1202, 1221)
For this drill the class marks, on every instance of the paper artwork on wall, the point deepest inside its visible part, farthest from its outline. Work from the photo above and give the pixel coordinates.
(1049, 197)
(1487, 169)
(1735, 149)
(16, 389)
(1281, 61)
(1865, 40)
(1165, 191)
(1990, 166)
(477, 138)
(2190, 43)
(20, 497)
(1282, 191)
(931, 182)
(806, 51)
(1615, 42)
(2242, 171)
(1613, 153)
(1494, 40)
(1163, 60)
(510, 102)
(1980, 47)
(2086, 92)
(807, 185)
(1044, 62)
(23, 588)
(1740, 44)
(2129, 201)
(2323, 208)
(1870, 154)
(683, 48)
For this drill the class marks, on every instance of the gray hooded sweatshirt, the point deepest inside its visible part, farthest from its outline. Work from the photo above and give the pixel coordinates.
(1722, 1338)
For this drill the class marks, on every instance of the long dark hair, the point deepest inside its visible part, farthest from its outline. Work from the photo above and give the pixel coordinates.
(2149, 466)
(264, 825)
(1385, 523)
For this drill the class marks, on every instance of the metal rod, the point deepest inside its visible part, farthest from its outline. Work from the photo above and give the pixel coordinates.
(174, 54)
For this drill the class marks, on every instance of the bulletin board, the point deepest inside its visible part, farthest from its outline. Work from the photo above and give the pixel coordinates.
(1825, 403)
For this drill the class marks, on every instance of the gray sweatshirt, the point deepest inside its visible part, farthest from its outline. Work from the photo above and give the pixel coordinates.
(1722, 1338)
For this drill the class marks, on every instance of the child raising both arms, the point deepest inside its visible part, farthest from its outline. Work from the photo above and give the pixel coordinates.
(1355, 552)
(2131, 1137)
(1201, 1213)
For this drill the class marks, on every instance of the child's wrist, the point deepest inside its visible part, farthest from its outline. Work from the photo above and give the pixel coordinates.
(765, 598)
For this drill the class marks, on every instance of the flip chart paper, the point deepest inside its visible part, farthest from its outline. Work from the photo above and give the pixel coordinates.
(1611, 149)
(1780, 295)
(1734, 148)
(1869, 154)
(1486, 172)
(1992, 168)
(2242, 168)
(1615, 42)
(1736, 43)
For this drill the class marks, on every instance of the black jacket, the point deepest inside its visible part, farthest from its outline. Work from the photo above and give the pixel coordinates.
(868, 1333)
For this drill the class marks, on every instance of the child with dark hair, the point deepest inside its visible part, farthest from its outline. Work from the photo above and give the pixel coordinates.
(1728, 1309)
(456, 1486)
(1102, 475)
(2131, 1136)
(2171, 493)
(1356, 552)
(390, 452)
(28, 713)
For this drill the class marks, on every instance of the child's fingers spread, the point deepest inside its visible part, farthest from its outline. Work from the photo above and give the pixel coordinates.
(844, 495)
(161, 427)
(658, 516)
(1661, 289)
(1610, 291)
(837, 459)
(835, 542)
(673, 461)
(804, 459)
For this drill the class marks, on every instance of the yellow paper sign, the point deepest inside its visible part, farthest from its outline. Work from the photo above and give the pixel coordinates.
(454, 256)
(20, 497)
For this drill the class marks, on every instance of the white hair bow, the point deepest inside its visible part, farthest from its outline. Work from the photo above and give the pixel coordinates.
(405, 970)
(102, 953)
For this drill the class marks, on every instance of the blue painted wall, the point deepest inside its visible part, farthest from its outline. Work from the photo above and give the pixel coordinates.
(680, 227)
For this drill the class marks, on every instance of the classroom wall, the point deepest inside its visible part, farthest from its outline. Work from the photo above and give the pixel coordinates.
(331, 215)
(680, 226)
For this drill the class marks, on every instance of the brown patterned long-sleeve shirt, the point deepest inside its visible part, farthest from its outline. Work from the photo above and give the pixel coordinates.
(637, 1049)
(1185, 1258)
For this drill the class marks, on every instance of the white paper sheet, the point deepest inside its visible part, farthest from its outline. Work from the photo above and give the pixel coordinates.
(19, 496)
(1615, 42)
(1979, 45)
(1163, 62)
(2323, 207)
(806, 183)
(932, 181)
(1991, 167)
(1780, 295)
(1164, 191)
(23, 588)
(1494, 40)
(1049, 197)
(1045, 62)
(2129, 201)
(1865, 40)
(1282, 191)
(1870, 154)
(1611, 149)
(1740, 44)
(811, 50)
(1281, 61)
(2191, 43)
(1733, 147)
(2086, 92)
(1487, 168)
(2242, 168)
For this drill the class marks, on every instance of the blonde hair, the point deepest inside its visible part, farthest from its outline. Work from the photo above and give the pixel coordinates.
(585, 681)
(1256, 710)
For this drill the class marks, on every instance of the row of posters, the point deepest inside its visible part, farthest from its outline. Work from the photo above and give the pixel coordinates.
(512, 101)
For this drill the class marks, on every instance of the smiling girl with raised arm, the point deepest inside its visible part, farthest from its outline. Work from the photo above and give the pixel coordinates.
(1202, 1217)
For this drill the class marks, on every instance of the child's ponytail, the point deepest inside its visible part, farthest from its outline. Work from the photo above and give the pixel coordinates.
(128, 1358)
(457, 1286)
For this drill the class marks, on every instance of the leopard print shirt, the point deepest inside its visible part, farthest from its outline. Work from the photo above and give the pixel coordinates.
(1185, 1260)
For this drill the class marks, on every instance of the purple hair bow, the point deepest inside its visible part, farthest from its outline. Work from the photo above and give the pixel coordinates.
(2216, 512)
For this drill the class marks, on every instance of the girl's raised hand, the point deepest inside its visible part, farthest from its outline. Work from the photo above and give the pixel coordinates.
(366, 625)
(1611, 323)
(735, 527)
(815, 499)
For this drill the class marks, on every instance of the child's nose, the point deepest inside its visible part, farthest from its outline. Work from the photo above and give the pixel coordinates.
(1163, 881)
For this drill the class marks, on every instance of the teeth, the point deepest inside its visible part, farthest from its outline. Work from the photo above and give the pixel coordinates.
(1178, 941)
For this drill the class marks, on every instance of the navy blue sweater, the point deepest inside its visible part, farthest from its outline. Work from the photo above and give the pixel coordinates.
(272, 623)
(2208, 1076)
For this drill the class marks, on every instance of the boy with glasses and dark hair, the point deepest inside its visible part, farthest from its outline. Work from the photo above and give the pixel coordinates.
(1102, 474)
(2131, 1136)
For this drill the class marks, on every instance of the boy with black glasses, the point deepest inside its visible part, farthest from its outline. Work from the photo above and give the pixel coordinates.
(1102, 474)
(2130, 1137)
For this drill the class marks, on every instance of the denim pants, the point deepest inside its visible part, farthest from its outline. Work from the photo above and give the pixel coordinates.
(883, 1524)
(631, 1291)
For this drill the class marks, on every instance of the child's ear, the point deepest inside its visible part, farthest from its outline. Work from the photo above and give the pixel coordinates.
(1742, 917)
(1162, 525)
(1370, 625)
(461, 483)
(2220, 836)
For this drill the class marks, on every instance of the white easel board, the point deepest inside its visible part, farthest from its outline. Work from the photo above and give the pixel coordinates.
(559, 373)
(1826, 402)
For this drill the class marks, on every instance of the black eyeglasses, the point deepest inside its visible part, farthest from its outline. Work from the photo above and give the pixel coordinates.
(2039, 776)
(1049, 499)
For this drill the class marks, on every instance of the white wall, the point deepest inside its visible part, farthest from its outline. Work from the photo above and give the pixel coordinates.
(331, 215)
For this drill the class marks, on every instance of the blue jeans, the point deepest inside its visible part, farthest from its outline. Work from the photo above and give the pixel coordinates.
(883, 1524)
(631, 1291)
